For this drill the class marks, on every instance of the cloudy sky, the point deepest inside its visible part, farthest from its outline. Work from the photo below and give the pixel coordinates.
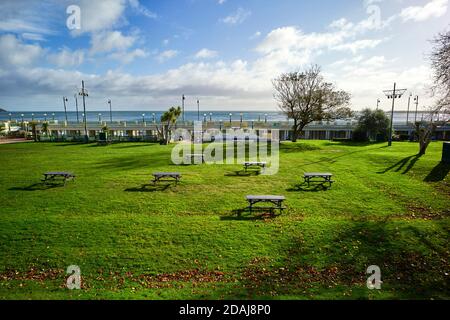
(145, 54)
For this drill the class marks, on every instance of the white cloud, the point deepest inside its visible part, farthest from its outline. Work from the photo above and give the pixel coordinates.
(128, 57)
(206, 54)
(100, 15)
(111, 41)
(256, 35)
(33, 36)
(433, 9)
(221, 1)
(237, 17)
(67, 58)
(358, 45)
(166, 55)
(14, 52)
(136, 5)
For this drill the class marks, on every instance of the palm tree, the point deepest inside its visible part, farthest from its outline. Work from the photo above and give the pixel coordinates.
(168, 120)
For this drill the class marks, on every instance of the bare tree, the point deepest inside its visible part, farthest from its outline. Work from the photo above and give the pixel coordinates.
(440, 61)
(168, 120)
(306, 97)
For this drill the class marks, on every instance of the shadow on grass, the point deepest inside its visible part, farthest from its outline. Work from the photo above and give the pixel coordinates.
(151, 188)
(244, 215)
(243, 173)
(38, 187)
(135, 161)
(303, 187)
(324, 264)
(406, 163)
(438, 173)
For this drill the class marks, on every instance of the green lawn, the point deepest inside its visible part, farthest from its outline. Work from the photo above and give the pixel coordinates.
(387, 208)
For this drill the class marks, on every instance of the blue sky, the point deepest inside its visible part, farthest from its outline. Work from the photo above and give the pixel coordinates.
(145, 54)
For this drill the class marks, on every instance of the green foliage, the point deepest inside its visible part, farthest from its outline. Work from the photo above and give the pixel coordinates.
(372, 125)
(168, 119)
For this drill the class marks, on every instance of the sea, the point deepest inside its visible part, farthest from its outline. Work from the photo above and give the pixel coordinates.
(149, 116)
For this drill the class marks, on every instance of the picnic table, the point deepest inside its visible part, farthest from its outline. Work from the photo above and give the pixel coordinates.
(257, 164)
(162, 176)
(190, 158)
(317, 177)
(55, 176)
(276, 202)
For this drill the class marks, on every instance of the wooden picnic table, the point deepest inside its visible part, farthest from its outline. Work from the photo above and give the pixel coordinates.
(258, 164)
(276, 202)
(161, 176)
(317, 177)
(55, 176)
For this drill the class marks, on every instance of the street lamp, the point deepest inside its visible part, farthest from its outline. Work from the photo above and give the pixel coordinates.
(416, 100)
(210, 117)
(378, 103)
(53, 117)
(10, 114)
(407, 112)
(32, 117)
(393, 94)
(22, 115)
(230, 117)
(65, 108)
(182, 104)
(265, 117)
(143, 118)
(241, 117)
(76, 106)
(45, 117)
(198, 110)
(259, 118)
(154, 117)
(110, 111)
(84, 93)
(100, 117)
(204, 117)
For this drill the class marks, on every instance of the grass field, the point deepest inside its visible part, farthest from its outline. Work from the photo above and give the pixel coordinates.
(388, 207)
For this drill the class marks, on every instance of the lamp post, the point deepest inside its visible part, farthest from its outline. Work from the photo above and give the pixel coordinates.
(76, 106)
(10, 119)
(53, 117)
(84, 93)
(204, 117)
(230, 117)
(198, 110)
(241, 118)
(32, 117)
(210, 117)
(182, 104)
(265, 118)
(378, 103)
(416, 100)
(143, 118)
(407, 112)
(110, 111)
(154, 117)
(45, 117)
(259, 118)
(65, 108)
(393, 94)
(22, 115)
(100, 118)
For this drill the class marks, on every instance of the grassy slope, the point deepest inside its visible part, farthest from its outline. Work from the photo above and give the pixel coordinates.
(388, 208)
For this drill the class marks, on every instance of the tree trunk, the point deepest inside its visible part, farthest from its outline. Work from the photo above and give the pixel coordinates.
(295, 131)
